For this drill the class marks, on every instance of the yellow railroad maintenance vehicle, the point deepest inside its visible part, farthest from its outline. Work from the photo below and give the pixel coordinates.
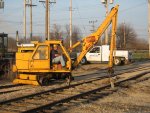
(34, 63)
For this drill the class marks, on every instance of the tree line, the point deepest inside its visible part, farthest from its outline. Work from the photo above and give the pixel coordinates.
(126, 38)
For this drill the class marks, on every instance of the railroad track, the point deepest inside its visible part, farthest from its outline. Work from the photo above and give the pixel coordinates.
(100, 92)
(117, 71)
(10, 86)
(45, 101)
(48, 91)
(7, 88)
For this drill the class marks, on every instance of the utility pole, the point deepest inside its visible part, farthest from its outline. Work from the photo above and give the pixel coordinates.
(70, 22)
(149, 24)
(106, 31)
(24, 20)
(49, 36)
(124, 34)
(47, 17)
(1, 4)
(93, 25)
(105, 2)
(31, 22)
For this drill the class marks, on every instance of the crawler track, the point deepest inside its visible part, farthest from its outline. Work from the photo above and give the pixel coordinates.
(49, 99)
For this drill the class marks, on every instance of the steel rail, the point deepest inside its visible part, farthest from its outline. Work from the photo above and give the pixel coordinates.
(56, 89)
(10, 86)
(47, 106)
(51, 90)
(66, 87)
(131, 69)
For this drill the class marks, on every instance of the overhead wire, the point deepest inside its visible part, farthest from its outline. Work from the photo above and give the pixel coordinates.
(133, 7)
(80, 18)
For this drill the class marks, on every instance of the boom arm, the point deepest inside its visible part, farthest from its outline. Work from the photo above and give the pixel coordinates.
(92, 39)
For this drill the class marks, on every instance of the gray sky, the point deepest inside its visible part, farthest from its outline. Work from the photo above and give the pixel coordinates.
(133, 12)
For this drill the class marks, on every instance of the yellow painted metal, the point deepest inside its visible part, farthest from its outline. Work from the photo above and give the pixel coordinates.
(69, 62)
(26, 79)
(22, 60)
(33, 60)
(14, 69)
(113, 42)
(20, 81)
(36, 59)
(43, 71)
(92, 39)
(74, 46)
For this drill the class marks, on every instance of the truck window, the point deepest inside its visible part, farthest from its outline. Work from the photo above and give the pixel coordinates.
(95, 50)
(41, 53)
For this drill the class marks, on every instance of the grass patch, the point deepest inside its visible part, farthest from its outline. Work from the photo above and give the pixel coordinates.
(140, 55)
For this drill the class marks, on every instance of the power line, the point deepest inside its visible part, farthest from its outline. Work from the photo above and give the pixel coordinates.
(124, 10)
(92, 25)
(133, 7)
(80, 16)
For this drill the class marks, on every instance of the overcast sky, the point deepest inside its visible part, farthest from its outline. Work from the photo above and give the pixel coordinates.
(133, 12)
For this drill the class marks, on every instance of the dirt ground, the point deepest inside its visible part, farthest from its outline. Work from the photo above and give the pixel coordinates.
(134, 99)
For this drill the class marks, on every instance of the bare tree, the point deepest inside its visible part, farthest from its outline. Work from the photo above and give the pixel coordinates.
(37, 38)
(76, 36)
(126, 33)
(141, 44)
(56, 33)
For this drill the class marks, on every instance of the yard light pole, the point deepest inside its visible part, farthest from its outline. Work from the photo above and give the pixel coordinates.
(149, 24)
(1, 4)
(105, 2)
(70, 9)
(24, 20)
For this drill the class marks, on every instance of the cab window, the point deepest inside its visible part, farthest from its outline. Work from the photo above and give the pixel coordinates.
(95, 50)
(41, 53)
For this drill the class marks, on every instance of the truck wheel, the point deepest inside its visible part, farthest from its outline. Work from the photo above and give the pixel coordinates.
(117, 61)
(83, 61)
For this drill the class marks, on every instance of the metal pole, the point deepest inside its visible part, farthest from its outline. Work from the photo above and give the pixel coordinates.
(149, 24)
(17, 38)
(46, 20)
(31, 20)
(25, 20)
(106, 31)
(49, 21)
(70, 23)
(124, 35)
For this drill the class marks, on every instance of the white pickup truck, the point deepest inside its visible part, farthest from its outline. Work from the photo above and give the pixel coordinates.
(101, 54)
